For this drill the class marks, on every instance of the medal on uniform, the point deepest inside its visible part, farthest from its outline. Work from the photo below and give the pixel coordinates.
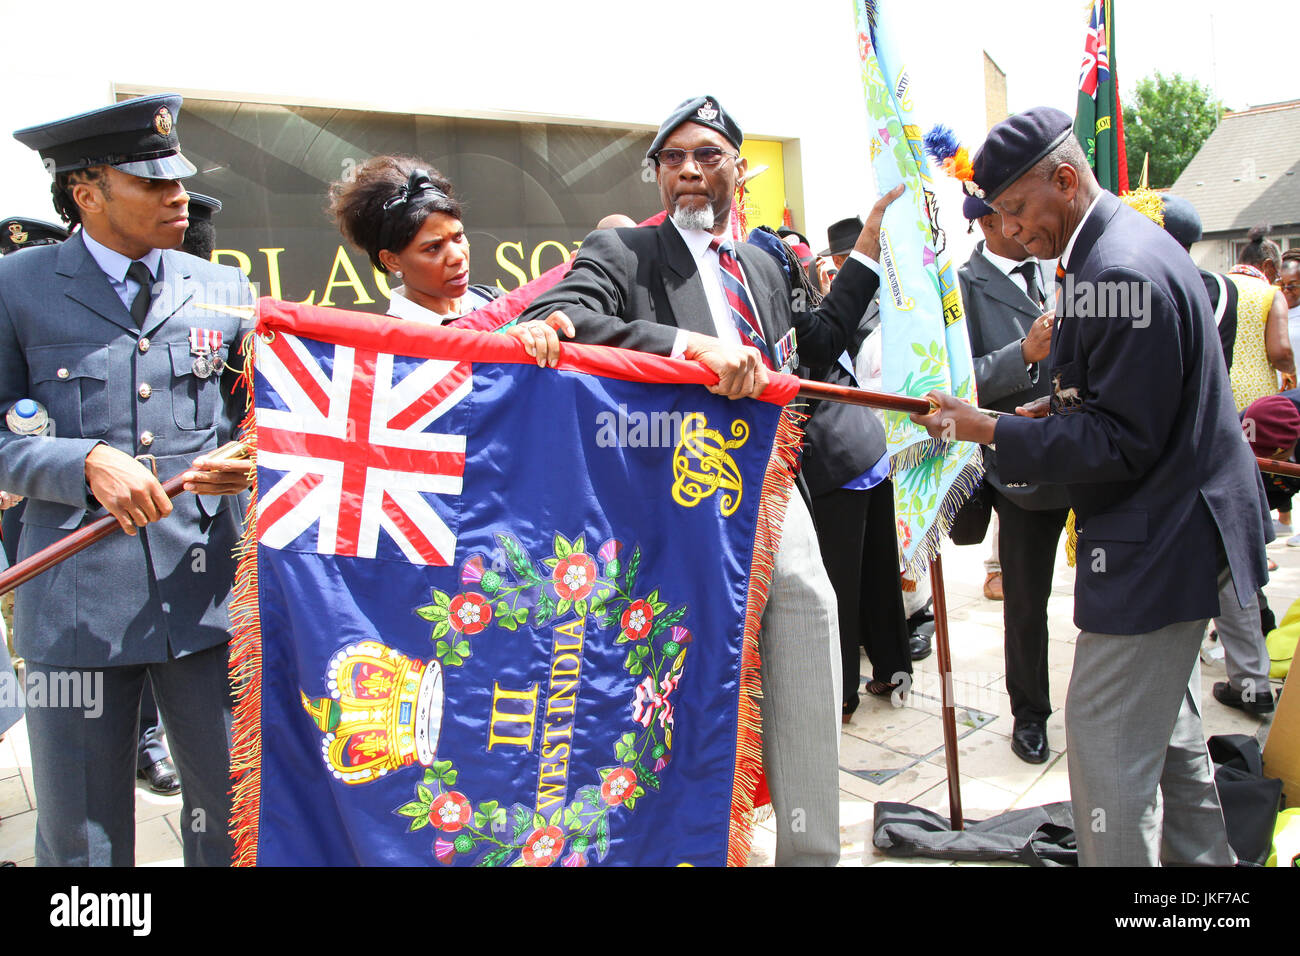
(787, 352)
(205, 346)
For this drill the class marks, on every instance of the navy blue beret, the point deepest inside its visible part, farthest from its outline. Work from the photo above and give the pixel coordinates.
(704, 110)
(19, 232)
(1182, 221)
(137, 136)
(972, 207)
(1014, 146)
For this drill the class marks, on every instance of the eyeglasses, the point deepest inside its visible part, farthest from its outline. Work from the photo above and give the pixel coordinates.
(704, 156)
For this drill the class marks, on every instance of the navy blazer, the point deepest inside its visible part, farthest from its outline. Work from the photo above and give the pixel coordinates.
(1143, 433)
(67, 341)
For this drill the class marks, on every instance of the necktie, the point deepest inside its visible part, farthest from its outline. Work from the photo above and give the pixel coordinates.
(143, 299)
(1033, 285)
(739, 302)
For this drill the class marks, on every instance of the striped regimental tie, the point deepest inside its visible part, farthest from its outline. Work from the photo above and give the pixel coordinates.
(738, 299)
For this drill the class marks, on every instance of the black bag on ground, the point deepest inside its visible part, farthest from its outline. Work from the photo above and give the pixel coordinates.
(1250, 800)
(1036, 836)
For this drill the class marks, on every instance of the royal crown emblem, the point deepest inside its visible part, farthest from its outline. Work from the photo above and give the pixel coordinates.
(162, 121)
(383, 712)
(707, 112)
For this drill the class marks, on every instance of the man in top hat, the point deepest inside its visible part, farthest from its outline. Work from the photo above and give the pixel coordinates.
(661, 290)
(1004, 293)
(127, 345)
(1140, 427)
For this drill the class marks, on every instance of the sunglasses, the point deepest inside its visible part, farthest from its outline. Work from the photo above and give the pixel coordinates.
(704, 156)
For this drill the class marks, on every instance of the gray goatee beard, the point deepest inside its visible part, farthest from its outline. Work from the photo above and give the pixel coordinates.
(699, 219)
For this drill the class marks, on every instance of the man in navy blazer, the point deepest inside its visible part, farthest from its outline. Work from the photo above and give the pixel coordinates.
(1142, 433)
(130, 348)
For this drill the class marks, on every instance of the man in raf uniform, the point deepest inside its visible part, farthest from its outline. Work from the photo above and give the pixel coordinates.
(1142, 431)
(127, 344)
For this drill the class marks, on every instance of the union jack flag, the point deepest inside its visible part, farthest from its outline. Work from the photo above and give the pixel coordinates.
(347, 447)
(1096, 56)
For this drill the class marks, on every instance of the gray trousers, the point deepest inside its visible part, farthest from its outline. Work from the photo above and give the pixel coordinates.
(84, 759)
(799, 643)
(1245, 654)
(1133, 718)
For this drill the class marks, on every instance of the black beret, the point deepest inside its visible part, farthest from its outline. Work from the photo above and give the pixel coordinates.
(704, 110)
(137, 136)
(1014, 146)
(203, 207)
(19, 232)
(1182, 221)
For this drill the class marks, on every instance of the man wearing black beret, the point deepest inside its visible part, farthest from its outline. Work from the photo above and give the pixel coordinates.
(1141, 428)
(661, 290)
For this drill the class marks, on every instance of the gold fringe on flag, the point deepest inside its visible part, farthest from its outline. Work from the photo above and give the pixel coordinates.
(246, 657)
(778, 483)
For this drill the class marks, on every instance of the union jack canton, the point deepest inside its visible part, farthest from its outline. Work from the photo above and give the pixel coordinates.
(362, 447)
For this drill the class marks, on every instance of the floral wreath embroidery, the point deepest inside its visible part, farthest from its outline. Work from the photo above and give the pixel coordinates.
(568, 581)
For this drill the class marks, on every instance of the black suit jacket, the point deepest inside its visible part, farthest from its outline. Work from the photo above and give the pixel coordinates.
(1144, 434)
(634, 288)
(998, 317)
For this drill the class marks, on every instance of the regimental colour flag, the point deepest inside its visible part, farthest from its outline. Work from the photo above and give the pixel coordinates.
(923, 327)
(490, 614)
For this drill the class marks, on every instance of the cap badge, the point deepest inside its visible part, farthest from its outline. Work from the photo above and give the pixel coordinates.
(17, 234)
(707, 112)
(972, 189)
(162, 121)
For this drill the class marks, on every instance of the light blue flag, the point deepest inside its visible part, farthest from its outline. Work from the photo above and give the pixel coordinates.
(923, 327)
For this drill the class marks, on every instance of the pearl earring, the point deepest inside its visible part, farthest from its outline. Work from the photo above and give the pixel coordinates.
(398, 274)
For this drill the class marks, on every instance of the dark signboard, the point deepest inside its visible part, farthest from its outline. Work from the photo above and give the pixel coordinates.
(531, 191)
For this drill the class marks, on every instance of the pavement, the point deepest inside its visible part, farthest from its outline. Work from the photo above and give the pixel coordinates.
(892, 750)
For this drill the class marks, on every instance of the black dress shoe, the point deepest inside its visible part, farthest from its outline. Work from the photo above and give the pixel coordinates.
(920, 646)
(1029, 741)
(1260, 706)
(162, 777)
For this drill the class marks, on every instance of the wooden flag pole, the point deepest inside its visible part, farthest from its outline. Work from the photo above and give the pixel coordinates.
(948, 712)
(101, 528)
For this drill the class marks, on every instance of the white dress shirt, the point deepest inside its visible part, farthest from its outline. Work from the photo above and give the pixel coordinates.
(403, 308)
(1069, 246)
(706, 263)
